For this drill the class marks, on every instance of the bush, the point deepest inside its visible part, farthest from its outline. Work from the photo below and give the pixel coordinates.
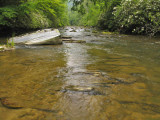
(107, 20)
(8, 15)
(138, 16)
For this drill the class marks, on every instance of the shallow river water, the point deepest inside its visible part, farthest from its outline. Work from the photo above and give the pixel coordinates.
(110, 77)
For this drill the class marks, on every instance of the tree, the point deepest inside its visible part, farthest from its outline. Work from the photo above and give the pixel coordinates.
(32, 14)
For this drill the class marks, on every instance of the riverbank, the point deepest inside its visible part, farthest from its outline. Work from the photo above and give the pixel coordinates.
(6, 48)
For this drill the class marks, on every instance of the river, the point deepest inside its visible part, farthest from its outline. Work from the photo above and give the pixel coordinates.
(110, 77)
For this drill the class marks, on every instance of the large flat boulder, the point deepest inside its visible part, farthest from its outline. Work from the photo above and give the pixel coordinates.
(40, 37)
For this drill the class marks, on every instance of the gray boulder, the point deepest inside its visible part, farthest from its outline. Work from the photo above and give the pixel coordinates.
(40, 37)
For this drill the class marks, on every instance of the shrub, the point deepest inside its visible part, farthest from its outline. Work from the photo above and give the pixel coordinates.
(107, 20)
(8, 15)
(138, 16)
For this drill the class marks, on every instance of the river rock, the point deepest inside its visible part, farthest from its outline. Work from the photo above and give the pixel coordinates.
(78, 89)
(82, 89)
(9, 103)
(43, 37)
(73, 31)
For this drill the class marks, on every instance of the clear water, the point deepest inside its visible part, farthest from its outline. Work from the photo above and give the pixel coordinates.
(111, 77)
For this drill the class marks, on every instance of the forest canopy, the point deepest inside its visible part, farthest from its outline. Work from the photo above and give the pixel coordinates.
(32, 14)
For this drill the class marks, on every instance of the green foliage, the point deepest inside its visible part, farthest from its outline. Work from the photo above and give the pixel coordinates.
(92, 16)
(8, 15)
(96, 12)
(9, 2)
(107, 18)
(74, 17)
(126, 16)
(138, 16)
(32, 14)
(10, 45)
(86, 14)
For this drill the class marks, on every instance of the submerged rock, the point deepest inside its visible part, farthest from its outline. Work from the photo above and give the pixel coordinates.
(81, 89)
(9, 103)
(43, 37)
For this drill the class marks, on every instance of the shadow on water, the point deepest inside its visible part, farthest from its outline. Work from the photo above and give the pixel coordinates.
(110, 77)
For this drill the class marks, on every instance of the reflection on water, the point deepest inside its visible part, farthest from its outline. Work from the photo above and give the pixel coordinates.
(111, 77)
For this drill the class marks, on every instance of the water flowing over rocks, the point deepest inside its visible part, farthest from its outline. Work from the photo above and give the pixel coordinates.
(110, 77)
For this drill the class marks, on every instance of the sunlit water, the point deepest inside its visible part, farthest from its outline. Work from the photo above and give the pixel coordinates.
(111, 77)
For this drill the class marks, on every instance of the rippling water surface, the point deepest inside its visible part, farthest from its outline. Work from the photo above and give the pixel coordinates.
(110, 77)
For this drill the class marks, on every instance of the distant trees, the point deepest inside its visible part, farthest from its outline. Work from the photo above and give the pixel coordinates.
(86, 13)
(125, 16)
